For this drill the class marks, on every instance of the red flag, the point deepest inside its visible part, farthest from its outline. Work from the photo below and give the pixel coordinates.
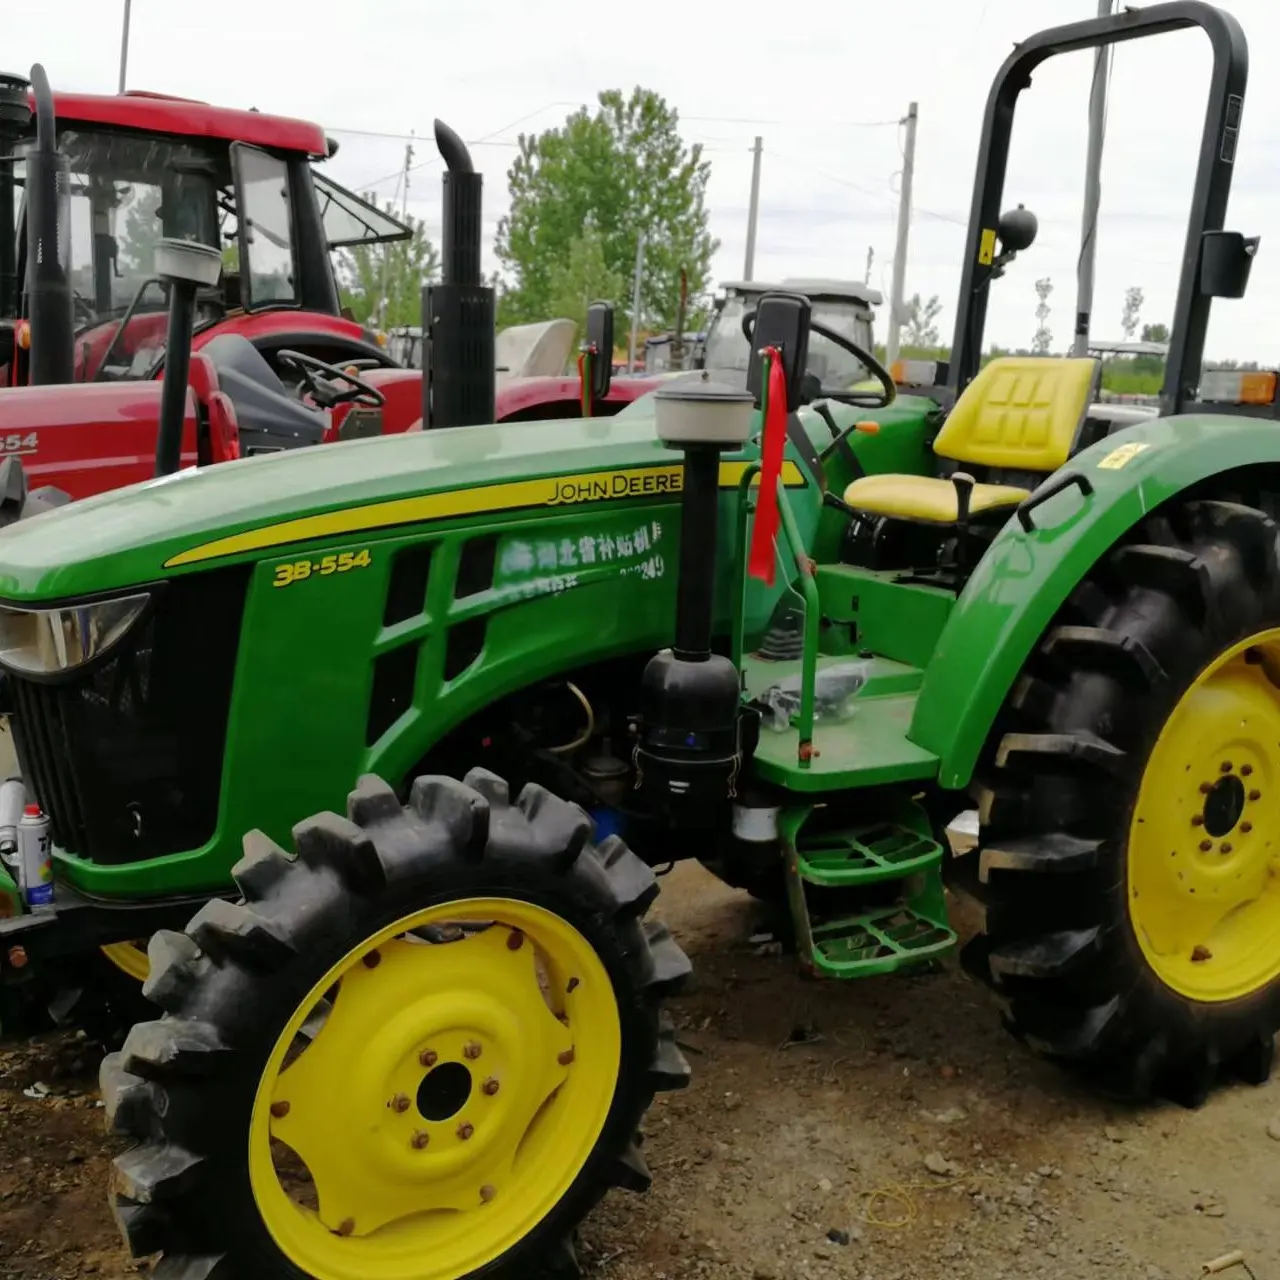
(760, 563)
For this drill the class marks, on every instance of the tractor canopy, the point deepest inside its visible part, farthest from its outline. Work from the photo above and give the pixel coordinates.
(144, 166)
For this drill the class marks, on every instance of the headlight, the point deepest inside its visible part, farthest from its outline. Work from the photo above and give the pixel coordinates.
(46, 641)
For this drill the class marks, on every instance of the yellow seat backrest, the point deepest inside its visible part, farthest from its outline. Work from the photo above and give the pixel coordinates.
(1022, 412)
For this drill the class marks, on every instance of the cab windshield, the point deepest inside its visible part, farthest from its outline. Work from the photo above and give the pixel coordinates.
(127, 193)
(728, 352)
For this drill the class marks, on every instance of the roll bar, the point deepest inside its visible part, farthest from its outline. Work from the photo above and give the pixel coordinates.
(1208, 200)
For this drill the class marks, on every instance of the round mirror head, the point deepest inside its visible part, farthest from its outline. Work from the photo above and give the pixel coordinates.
(1017, 229)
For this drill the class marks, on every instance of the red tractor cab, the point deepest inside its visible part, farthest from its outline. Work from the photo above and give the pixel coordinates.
(142, 167)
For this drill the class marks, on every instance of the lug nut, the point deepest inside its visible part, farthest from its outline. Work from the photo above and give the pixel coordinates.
(1246, 827)
(420, 1139)
(399, 1103)
(487, 1193)
(1226, 846)
(472, 1051)
(1206, 845)
(1225, 766)
(1200, 954)
(279, 1110)
(489, 1088)
(1205, 788)
(1255, 795)
(346, 1227)
(566, 1057)
(1246, 770)
(515, 940)
(465, 1130)
(428, 1057)
(372, 960)
(1198, 820)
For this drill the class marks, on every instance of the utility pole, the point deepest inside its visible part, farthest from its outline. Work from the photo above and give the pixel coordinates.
(871, 257)
(753, 210)
(904, 227)
(124, 43)
(388, 248)
(635, 303)
(1092, 191)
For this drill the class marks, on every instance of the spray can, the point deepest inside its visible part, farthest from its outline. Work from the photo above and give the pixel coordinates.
(35, 859)
(13, 797)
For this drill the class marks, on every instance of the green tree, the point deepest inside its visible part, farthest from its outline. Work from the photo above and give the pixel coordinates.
(582, 277)
(627, 165)
(919, 321)
(398, 270)
(1133, 301)
(1155, 333)
(1043, 337)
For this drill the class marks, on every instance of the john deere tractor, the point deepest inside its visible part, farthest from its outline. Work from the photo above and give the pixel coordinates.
(465, 687)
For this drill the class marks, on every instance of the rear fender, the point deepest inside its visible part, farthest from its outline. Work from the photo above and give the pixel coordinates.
(1025, 577)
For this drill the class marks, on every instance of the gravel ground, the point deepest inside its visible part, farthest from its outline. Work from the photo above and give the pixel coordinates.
(879, 1130)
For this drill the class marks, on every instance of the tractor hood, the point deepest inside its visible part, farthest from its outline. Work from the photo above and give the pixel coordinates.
(196, 517)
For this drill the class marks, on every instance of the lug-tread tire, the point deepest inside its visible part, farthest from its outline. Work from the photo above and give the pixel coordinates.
(183, 1087)
(1063, 769)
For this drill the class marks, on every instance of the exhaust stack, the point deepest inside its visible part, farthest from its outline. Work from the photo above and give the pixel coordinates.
(48, 246)
(458, 313)
(15, 117)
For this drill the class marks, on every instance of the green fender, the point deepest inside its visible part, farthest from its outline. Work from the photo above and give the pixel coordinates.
(1024, 578)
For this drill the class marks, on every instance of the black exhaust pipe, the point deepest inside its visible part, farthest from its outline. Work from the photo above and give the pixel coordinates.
(458, 313)
(48, 246)
(15, 119)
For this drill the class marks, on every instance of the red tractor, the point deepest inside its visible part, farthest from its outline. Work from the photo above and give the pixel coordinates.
(102, 181)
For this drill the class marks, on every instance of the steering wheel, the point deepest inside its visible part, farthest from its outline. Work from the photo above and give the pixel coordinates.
(327, 397)
(859, 399)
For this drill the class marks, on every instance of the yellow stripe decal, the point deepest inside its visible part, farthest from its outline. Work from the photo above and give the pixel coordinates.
(514, 495)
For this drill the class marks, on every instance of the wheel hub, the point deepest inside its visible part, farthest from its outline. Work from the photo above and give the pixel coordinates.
(1203, 864)
(451, 1089)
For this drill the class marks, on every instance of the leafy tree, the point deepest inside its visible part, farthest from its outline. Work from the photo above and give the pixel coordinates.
(1043, 337)
(583, 277)
(919, 327)
(627, 165)
(1155, 333)
(370, 274)
(1133, 301)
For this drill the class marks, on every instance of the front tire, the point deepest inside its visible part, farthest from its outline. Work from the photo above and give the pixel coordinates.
(450, 1006)
(1129, 856)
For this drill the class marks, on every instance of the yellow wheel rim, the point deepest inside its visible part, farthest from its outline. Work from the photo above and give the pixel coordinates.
(452, 1094)
(1203, 863)
(130, 958)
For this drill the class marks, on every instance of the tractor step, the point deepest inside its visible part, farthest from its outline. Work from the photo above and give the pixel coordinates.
(865, 855)
(865, 899)
(877, 942)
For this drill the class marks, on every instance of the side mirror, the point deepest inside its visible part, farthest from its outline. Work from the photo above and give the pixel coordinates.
(782, 321)
(1225, 260)
(1017, 229)
(600, 336)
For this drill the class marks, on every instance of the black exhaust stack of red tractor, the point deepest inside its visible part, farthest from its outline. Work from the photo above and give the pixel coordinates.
(15, 119)
(458, 313)
(48, 246)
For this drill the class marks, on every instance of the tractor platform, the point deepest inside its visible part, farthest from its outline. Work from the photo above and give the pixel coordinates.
(868, 747)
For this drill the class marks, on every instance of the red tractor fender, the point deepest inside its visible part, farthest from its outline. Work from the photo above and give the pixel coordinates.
(86, 438)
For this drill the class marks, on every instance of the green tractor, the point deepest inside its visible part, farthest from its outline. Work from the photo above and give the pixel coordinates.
(417, 1041)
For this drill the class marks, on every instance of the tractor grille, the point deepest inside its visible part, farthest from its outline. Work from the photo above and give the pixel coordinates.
(125, 756)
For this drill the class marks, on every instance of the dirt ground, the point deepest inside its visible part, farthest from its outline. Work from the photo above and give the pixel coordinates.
(880, 1130)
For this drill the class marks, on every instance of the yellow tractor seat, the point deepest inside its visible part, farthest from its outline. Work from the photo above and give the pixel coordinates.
(926, 498)
(1021, 414)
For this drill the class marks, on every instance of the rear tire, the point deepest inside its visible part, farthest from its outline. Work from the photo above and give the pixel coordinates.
(1125, 866)
(238, 983)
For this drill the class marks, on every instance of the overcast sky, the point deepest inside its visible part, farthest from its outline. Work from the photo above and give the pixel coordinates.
(823, 82)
